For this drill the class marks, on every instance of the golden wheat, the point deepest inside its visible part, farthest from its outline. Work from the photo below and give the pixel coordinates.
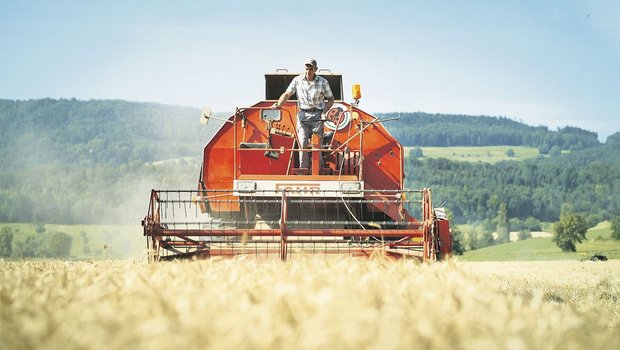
(309, 304)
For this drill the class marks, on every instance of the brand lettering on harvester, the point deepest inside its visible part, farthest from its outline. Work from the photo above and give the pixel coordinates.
(298, 187)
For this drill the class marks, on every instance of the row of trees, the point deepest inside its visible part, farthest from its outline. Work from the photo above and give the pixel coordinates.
(39, 245)
(444, 130)
(492, 231)
(569, 230)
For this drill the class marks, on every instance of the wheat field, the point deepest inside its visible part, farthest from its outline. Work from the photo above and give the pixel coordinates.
(309, 304)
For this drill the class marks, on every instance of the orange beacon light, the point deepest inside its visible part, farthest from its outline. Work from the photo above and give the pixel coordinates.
(356, 92)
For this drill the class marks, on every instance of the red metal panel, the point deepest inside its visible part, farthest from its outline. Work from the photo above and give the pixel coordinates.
(445, 239)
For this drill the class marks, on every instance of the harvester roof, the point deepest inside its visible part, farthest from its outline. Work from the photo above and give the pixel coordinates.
(276, 83)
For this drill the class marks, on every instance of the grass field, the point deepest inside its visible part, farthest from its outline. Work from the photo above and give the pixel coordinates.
(487, 154)
(309, 304)
(598, 240)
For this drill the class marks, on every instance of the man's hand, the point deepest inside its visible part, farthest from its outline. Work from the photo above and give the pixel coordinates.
(282, 100)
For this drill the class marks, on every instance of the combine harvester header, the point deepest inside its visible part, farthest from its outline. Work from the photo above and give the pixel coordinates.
(254, 199)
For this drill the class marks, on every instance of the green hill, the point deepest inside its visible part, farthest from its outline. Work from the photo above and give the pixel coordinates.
(70, 161)
(588, 179)
(446, 130)
(90, 133)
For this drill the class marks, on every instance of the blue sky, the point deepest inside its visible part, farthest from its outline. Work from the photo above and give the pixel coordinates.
(552, 63)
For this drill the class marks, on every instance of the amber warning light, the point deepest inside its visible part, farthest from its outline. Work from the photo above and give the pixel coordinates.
(356, 92)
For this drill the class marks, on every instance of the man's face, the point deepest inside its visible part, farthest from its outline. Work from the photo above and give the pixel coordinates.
(310, 70)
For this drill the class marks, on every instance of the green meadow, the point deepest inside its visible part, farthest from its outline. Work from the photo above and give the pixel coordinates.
(598, 240)
(486, 154)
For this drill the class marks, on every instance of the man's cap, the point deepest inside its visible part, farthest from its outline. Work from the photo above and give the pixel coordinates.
(312, 62)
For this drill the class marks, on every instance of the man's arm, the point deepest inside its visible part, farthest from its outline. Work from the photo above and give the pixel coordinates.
(328, 105)
(282, 100)
(330, 99)
(290, 90)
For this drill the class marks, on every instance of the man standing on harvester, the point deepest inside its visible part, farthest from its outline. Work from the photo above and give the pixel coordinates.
(314, 99)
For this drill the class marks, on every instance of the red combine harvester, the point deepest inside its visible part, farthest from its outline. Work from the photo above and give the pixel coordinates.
(253, 199)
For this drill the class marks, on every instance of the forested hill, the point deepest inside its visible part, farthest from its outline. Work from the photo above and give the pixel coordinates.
(69, 161)
(422, 129)
(97, 132)
(588, 180)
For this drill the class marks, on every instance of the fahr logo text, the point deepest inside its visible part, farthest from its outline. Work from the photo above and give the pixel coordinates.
(298, 187)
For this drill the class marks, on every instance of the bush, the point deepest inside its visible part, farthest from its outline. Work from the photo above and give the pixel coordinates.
(47, 245)
(532, 224)
(417, 152)
(6, 242)
(458, 246)
(615, 228)
(516, 224)
(555, 151)
(524, 234)
(58, 244)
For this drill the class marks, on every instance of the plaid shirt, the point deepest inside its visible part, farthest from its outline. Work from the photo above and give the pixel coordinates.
(310, 94)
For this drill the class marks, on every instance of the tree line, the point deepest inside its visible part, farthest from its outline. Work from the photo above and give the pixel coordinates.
(445, 130)
(39, 245)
